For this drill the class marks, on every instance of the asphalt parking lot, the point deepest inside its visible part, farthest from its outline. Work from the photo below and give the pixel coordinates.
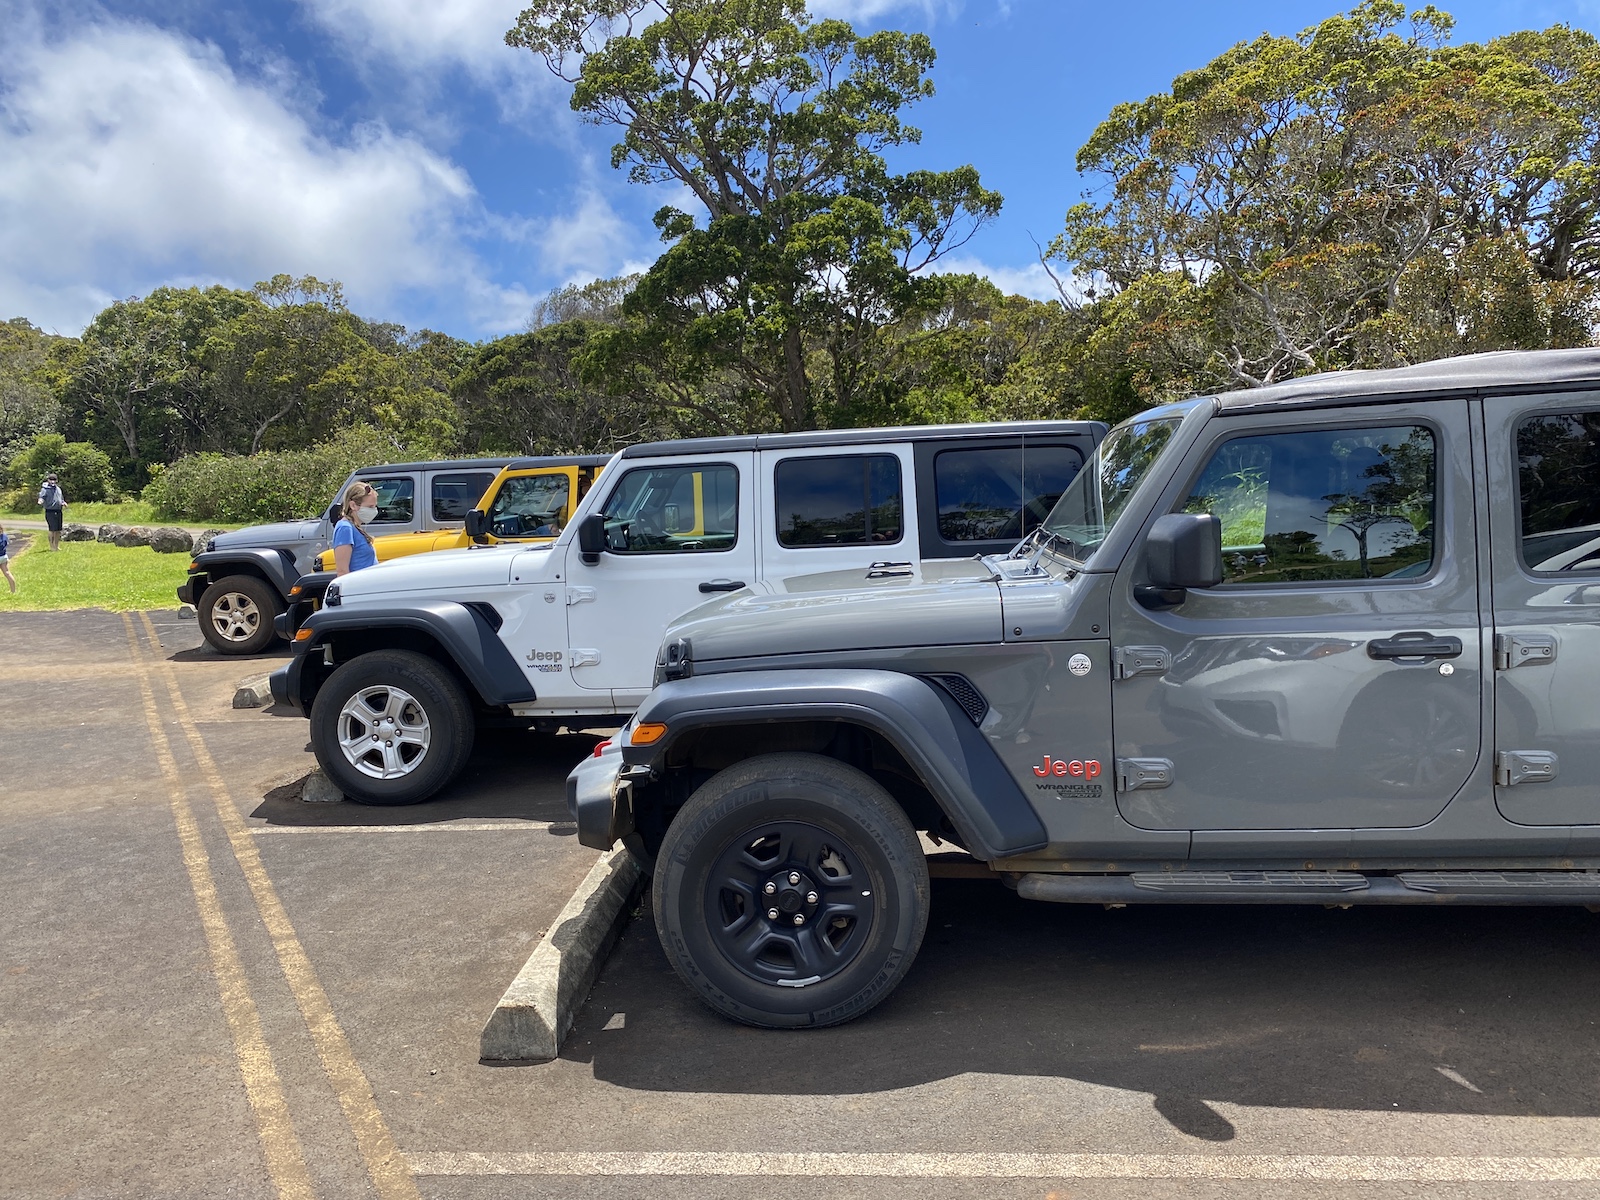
(210, 988)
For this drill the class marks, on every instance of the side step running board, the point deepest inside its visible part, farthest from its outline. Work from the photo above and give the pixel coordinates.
(1317, 887)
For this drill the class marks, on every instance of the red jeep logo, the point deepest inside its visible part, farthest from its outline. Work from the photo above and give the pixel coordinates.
(1078, 768)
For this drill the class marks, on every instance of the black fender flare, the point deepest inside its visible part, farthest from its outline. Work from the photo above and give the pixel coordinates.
(277, 566)
(922, 722)
(461, 630)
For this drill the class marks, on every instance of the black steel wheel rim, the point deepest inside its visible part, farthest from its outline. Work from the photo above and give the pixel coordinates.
(789, 903)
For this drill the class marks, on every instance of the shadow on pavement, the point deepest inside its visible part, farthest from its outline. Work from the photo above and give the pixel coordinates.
(1280, 1007)
(513, 774)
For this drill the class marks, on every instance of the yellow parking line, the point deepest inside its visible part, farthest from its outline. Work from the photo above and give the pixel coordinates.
(385, 1164)
(286, 1163)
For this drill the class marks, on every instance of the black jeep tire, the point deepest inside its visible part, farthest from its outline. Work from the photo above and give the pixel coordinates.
(404, 695)
(236, 614)
(862, 892)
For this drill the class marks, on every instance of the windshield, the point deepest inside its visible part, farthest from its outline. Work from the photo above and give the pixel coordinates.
(1097, 495)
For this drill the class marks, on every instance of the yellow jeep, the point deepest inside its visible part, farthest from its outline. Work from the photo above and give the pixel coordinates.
(529, 501)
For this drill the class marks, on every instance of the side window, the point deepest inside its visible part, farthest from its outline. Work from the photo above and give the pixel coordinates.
(1558, 474)
(530, 506)
(997, 492)
(1331, 504)
(396, 498)
(454, 495)
(663, 510)
(846, 501)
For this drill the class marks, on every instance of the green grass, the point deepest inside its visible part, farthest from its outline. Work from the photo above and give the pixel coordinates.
(91, 575)
(124, 512)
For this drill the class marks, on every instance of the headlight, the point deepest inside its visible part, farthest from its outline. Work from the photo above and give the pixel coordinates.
(330, 598)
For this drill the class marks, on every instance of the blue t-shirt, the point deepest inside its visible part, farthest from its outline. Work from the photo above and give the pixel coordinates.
(361, 552)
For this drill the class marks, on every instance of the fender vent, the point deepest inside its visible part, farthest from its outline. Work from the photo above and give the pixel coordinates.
(965, 694)
(489, 613)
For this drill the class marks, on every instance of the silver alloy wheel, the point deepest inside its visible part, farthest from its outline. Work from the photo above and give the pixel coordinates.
(384, 732)
(235, 617)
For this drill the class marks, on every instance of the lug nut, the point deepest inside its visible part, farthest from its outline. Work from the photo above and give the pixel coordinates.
(799, 919)
(811, 897)
(772, 914)
(794, 876)
(770, 888)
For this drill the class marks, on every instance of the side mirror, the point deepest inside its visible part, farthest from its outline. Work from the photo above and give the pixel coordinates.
(1182, 551)
(592, 537)
(333, 514)
(477, 524)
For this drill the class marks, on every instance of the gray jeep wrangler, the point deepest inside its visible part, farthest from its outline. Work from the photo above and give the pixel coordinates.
(1333, 641)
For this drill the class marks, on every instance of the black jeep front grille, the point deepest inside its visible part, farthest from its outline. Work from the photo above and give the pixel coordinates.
(965, 694)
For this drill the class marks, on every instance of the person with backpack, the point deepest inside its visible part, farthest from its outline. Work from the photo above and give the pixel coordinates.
(5, 559)
(352, 544)
(50, 496)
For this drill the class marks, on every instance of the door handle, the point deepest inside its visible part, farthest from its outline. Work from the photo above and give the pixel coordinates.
(1414, 644)
(722, 585)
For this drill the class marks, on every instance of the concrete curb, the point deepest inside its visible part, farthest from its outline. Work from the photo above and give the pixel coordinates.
(253, 691)
(539, 1007)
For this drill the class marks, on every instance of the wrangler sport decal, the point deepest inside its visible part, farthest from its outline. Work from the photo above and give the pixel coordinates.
(1068, 778)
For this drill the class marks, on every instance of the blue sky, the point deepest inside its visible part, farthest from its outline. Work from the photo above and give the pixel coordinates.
(400, 147)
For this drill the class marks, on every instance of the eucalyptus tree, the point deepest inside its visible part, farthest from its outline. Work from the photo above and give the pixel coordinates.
(804, 247)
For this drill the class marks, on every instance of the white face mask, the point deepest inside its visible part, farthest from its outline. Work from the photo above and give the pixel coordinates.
(366, 513)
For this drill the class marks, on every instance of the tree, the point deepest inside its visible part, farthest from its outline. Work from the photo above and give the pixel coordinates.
(29, 405)
(810, 247)
(1292, 205)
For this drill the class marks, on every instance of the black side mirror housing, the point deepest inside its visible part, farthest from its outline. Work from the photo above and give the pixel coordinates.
(1182, 551)
(592, 537)
(333, 514)
(477, 524)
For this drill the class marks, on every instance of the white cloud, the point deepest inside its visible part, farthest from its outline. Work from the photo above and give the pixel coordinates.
(471, 32)
(135, 156)
(1032, 280)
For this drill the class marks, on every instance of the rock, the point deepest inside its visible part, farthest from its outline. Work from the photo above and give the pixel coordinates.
(203, 537)
(169, 539)
(186, 610)
(134, 535)
(110, 533)
(253, 691)
(319, 789)
(78, 533)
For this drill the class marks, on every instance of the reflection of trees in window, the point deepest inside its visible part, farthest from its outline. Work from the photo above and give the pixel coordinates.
(1558, 465)
(1398, 490)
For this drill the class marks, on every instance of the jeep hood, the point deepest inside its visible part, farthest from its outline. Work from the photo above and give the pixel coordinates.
(281, 533)
(954, 608)
(441, 571)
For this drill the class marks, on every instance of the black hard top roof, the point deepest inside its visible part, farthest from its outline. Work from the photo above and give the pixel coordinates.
(853, 437)
(1500, 371)
(439, 464)
(570, 460)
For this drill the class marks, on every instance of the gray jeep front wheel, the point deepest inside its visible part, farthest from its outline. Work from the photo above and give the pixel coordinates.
(791, 891)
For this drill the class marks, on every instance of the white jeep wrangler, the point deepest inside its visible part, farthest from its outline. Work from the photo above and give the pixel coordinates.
(405, 657)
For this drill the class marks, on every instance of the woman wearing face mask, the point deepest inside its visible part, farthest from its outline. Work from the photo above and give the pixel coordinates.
(352, 544)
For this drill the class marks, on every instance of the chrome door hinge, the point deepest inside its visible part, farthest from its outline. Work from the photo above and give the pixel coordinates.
(1140, 774)
(1523, 650)
(1128, 661)
(1512, 767)
(577, 595)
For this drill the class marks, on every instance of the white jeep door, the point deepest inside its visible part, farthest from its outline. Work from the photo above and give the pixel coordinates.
(680, 531)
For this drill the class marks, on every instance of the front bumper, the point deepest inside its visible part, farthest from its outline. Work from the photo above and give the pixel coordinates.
(285, 684)
(600, 798)
(190, 589)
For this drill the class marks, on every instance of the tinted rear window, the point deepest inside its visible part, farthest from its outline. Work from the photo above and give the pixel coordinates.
(1558, 470)
(454, 495)
(993, 493)
(846, 501)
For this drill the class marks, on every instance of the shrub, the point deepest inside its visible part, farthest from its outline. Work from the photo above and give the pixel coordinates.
(82, 469)
(276, 486)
